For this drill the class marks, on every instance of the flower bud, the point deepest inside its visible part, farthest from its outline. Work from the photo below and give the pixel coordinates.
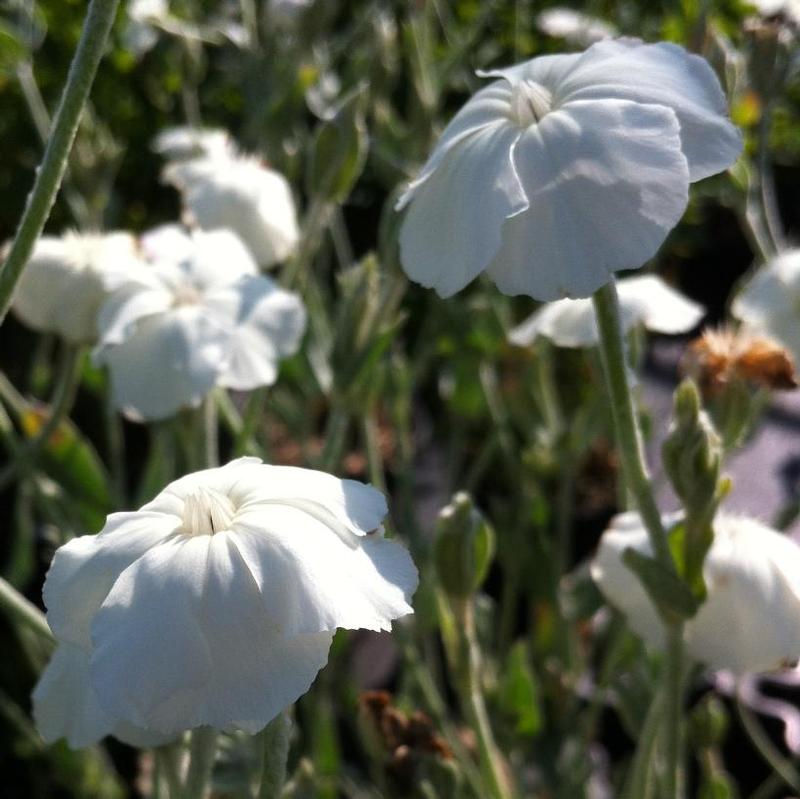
(692, 452)
(708, 723)
(464, 547)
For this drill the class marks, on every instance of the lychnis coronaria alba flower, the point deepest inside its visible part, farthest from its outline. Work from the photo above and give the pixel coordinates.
(198, 315)
(66, 279)
(216, 603)
(770, 301)
(225, 190)
(750, 620)
(643, 300)
(566, 169)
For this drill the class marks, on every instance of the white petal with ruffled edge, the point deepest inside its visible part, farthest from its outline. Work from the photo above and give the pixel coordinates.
(606, 182)
(453, 226)
(182, 640)
(314, 578)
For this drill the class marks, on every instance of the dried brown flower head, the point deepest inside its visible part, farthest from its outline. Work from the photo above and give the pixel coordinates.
(722, 356)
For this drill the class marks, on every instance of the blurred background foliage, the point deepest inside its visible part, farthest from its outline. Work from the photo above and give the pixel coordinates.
(420, 396)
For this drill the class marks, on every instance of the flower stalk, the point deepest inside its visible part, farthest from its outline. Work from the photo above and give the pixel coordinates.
(50, 173)
(24, 611)
(203, 750)
(275, 740)
(472, 699)
(629, 445)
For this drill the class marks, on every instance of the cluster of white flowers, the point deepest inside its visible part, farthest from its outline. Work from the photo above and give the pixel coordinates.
(214, 604)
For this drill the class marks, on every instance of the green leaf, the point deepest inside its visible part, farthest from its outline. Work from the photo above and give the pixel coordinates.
(519, 692)
(69, 459)
(339, 150)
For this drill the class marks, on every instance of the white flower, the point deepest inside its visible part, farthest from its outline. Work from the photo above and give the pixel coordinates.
(198, 316)
(645, 300)
(140, 33)
(770, 301)
(769, 8)
(574, 26)
(567, 169)
(226, 190)
(66, 278)
(181, 143)
(216, 603)
(750, 620)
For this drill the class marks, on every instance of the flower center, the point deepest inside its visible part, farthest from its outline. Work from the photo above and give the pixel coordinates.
(186, 294)
(530, 101)
(206, 511)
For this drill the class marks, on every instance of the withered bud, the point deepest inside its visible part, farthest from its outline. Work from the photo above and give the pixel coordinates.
(724, 356)
(399, 731)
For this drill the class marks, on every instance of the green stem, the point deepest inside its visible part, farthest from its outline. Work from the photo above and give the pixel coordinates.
(673, 712)
(472, 699)
(629, 446)
(202, 750)
(275, 741)
(639, 784)
(97, 25)
(166, 758)
(24, 611)
(626, 425)
(211, 431)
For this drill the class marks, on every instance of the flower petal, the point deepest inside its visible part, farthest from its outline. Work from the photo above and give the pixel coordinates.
(314, 578)
(84, 569)
(567, 323)
(151, 661)
(751, 618)
(165, 636)
(452, 229)
(606, 181)
(66, 706)
(171, 361)
(488, 106)
(619, 584)
(659, 307)
(64, 703)
(662, 74)
(269, 324)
